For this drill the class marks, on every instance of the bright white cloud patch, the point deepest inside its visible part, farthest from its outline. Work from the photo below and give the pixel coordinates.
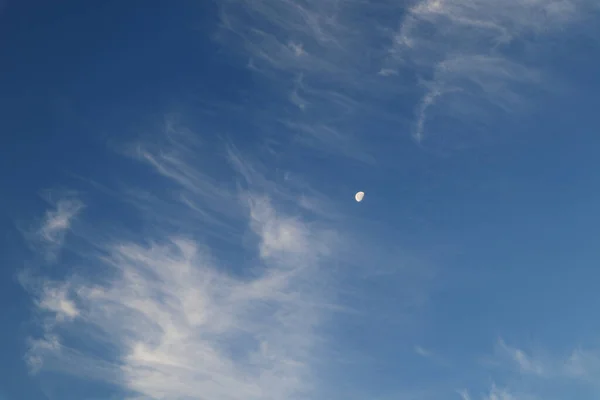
(55, 299)
(176, 323)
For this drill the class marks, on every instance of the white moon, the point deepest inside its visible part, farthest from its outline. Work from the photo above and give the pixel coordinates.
(359, 196)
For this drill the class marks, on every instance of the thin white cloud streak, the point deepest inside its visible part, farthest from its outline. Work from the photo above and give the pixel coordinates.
(215, 200)
(464, 45)
(523, 361)
(498, 393)
(580, 365)
(453, 59)
(423, 352)
(502, 394)
(432, 357)
(174, 322)
(329, 140)
(56, 223)
(584, 365)
(428, 354)
(325, 44)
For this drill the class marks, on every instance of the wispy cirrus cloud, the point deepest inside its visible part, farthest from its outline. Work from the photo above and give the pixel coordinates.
(462, 63)
(497, 393)
(58, 221)
(167, 319)
(225, 287)
(470, 56)
(56, 300)
(50, 234)
(583, 364)
(524, 362)
(580, 366)
(320, 59)
(423, 352)
(519, 374)
(464, 394)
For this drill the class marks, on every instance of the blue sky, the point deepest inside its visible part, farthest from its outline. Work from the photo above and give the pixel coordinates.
(178, 218)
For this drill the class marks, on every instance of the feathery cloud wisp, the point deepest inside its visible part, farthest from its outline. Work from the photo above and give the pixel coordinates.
(465, 61)
(466, 47)
(56, 223)
(168, 320)
(423, 352)
(524, 362)
(580, 365)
